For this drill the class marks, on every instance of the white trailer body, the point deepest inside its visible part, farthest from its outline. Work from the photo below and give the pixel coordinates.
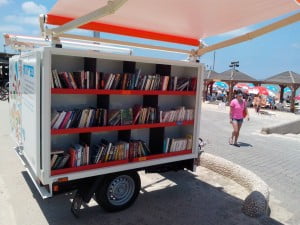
(32, 99)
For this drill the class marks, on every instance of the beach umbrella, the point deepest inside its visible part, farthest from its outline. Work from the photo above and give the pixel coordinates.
(272, 88)
(287, 89)
(242, 86)
(271, 93)
(258, 90)
(297, 97)
(220, 84)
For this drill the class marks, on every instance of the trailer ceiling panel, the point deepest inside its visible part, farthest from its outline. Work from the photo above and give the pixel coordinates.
(178, 21)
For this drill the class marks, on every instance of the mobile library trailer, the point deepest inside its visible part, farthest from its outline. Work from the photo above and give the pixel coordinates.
(90, 120)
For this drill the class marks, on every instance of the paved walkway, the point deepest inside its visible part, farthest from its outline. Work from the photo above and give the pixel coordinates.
(275, 158)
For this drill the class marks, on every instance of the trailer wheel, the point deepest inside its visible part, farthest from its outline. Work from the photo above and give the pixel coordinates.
(118, 191)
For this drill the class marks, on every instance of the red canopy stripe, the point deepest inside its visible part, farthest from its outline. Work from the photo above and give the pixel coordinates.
(102, 27)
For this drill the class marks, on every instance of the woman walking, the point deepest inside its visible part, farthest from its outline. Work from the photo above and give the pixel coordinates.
(257, 103)
(238, 111)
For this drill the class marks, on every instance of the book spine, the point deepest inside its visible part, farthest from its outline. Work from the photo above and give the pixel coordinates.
(73, 83)
(65, 120)
(58, 80)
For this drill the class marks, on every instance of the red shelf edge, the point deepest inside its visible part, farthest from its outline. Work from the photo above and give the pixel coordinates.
(163, 155)
(118, 162)
(115, 128)
(118, 92)
(88, 167)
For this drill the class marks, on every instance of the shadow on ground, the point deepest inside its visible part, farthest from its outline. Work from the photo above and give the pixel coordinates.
(243, 144)
(174, 198)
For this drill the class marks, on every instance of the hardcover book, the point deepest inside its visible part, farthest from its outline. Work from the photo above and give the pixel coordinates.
(126, 116)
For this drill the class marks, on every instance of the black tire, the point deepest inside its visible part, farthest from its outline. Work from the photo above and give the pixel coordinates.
(127, 185)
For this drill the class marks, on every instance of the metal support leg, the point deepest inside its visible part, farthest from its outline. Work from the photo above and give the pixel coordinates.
(76, 204)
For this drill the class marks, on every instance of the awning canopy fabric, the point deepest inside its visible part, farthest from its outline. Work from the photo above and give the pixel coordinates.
(178, 21)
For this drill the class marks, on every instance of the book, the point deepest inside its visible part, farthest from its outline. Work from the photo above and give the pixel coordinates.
(175, 83)
(166, 145)
(78, 154)
(70, 119)
(114, 117)
(56, 78)
(138, 75)
(63, 161)
(66, 77)
(98, 80)
(126, 116)
(165, 83)
(87, 79)
(108, 152)
(76, 118)
(65, 120)
(53, 159)
(77, 79)
(178, 115)
(92, 80)
(178, 144)
(89, 117)
(83, 118)
(124, 81)
(72, 80)
(116, 81)
(54, 116)
(82, 80)
(57, 162)
(182, 84)
(59, 120)
(192, 84)
(136, 113)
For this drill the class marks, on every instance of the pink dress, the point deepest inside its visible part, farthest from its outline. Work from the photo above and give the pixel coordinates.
(237, 109)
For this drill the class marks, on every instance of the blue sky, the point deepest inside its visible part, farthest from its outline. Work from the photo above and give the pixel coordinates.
(262, 57)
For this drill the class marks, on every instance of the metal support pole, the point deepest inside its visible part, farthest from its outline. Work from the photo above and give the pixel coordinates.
(282, 87)
(292, 99)
(251, 35)
(110, 8)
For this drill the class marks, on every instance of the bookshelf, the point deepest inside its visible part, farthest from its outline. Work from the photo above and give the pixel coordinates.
(153, 134)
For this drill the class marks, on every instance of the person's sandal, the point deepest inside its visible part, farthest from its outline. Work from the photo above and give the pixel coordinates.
(236, 145)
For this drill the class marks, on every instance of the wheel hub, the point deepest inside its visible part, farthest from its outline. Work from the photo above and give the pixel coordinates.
(120, 190)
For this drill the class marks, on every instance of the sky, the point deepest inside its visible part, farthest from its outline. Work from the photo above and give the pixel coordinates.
(260, 58)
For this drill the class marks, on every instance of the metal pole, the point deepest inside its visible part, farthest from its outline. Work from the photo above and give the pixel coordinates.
(110, 8)
(214, 60)
(96, 34)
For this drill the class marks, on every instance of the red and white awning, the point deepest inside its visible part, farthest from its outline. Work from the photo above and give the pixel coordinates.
(179, 21)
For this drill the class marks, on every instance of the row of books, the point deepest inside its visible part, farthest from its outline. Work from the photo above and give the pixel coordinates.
(178, 144)
(80, 155)
(126, 81)
(180, 114)
(79, 118)
(59, 159)
(76, 80)
(91, 117)
(106, 151)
